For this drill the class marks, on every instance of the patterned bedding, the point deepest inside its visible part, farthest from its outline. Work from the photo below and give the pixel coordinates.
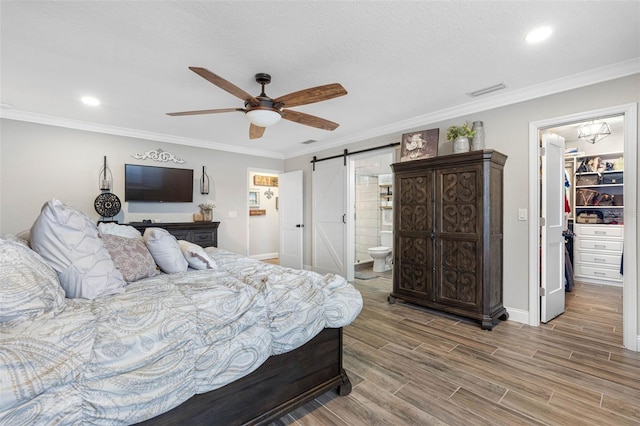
(127, 357)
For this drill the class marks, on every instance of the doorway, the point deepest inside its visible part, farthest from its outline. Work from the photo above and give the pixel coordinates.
(630, 286)
(371, 198)
(263, 226)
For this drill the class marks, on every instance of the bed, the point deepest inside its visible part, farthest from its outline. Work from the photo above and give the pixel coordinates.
(84, 339)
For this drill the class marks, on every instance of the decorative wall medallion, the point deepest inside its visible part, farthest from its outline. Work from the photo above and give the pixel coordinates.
(107, 204)
(159, 155)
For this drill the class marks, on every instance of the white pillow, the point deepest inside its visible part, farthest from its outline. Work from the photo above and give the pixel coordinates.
(29, 287)
(119, 230)
(165, 250)
(68, 240)
(196, 256)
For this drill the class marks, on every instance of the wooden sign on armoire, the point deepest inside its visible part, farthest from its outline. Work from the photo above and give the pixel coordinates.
(448, 234)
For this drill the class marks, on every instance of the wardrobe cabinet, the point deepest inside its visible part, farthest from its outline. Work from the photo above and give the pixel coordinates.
(448, 238)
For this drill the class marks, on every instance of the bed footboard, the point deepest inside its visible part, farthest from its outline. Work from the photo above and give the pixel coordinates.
(281, 384)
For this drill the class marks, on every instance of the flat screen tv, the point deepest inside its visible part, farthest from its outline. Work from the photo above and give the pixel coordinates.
(160, 184)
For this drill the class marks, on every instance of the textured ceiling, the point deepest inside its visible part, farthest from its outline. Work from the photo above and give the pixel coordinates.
(399, 61)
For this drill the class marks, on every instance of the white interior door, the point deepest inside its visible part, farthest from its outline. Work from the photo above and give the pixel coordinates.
(291, 219)
(552, 240)
(329, 191)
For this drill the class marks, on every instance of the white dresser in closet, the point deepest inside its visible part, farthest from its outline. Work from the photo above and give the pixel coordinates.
(598, 253)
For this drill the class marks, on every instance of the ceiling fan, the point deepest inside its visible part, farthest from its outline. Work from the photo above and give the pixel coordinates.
(263, 111)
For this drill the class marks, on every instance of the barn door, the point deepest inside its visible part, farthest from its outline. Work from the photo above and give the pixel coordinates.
(329, 191)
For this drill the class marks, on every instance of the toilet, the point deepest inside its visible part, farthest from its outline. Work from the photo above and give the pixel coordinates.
(382, 254)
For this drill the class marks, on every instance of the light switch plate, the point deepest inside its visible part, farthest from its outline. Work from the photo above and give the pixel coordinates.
(522, 214)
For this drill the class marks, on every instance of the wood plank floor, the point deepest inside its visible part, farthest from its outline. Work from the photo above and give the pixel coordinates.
(412, 367)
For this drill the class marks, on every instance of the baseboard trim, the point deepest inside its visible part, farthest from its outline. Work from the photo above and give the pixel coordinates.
(264, 256)
(518, 315)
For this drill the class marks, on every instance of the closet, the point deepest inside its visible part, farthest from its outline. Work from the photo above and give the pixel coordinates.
(598, 213)
(448, 234)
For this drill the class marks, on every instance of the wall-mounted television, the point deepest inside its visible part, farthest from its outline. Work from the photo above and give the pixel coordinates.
(160, 184)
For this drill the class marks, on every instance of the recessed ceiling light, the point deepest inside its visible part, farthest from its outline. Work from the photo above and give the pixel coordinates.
(538, 35)
(89, 100)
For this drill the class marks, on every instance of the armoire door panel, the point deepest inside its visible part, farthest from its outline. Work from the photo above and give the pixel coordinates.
(457, 197)
(458, 274)
(415, 256)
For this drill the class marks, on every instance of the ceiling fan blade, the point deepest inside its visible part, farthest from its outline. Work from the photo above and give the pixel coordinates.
(309, 120)
(204, 111)
(224, 85)
(255, 132)
(311, 95)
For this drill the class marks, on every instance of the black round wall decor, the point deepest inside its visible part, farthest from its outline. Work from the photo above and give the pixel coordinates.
(107, 204)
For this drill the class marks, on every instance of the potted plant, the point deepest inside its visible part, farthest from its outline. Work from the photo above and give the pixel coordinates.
(207, 210)
(460, 136)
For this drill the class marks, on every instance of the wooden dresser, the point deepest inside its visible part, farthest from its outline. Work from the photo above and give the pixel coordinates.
(448, 234)
(204, 234)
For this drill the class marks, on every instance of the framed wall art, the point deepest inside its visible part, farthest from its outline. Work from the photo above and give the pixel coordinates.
(260, 180)
(254, 199)
(421, 144)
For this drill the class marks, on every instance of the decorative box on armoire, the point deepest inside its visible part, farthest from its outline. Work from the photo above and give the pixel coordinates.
(448, 234)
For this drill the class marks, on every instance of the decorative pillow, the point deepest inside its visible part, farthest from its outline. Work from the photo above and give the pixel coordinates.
(165, 250)
(121, 230)
(67, 239)
(24, 235)
(29, 287)
(196, 256)
(131, 256)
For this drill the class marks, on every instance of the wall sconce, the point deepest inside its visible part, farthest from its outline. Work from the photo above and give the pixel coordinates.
(204, 181)
(594, 131)
(105, 178)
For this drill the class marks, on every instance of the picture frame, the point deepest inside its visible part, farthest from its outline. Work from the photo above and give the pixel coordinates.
(387, 217)
(254, 199)
(260, 180)
(420, 144)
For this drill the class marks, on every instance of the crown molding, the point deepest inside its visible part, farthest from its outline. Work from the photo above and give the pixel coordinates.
(132, 133)
(597, 75)
(587, 78)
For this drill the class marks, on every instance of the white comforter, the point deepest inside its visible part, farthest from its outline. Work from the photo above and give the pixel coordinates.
(124, 358)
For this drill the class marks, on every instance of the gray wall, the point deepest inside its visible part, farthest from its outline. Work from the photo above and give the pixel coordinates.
(40, 162)
(507, 130)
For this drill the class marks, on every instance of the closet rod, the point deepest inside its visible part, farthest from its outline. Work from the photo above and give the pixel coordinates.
(346, 153)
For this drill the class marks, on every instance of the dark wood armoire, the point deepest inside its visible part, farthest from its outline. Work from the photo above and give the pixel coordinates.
(448, 234)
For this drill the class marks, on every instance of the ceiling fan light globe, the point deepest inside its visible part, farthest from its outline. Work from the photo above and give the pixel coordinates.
(263, 117)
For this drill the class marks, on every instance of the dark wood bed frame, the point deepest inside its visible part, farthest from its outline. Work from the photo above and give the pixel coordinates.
(280, 385)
